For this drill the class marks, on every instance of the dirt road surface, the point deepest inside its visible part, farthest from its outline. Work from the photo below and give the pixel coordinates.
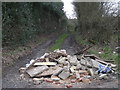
(11, 76)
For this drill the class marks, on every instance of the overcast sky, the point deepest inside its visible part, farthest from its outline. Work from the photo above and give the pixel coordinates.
(69, 9)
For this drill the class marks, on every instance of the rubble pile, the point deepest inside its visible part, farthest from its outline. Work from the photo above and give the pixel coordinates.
(59, 67)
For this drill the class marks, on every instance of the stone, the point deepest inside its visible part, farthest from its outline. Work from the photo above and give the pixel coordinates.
(22, 77)
(33, 71)
(55, 78)
(22, 70)
(64, 74)
(45, 63)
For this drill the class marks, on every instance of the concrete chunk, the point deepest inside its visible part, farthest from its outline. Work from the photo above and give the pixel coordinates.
(73, 60)
(55, 78)
(72, 69)
(78, 65)
(36, 70)
(45, 63)
(102, 76)
(77, 75)
(62, 60)
(91, 72)
(64, 75)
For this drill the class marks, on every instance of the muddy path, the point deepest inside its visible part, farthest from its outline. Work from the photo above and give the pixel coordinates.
(11, 76)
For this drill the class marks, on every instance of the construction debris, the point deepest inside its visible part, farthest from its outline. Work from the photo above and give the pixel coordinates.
(59, 67)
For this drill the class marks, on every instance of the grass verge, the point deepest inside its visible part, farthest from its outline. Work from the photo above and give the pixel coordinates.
(11, 54)
(104, 52)
(58, 43)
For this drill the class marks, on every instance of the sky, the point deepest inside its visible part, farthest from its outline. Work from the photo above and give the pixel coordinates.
(69, 9)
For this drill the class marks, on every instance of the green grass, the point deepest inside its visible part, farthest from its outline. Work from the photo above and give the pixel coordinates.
(81, 41)
(107, 53)
(58, 43)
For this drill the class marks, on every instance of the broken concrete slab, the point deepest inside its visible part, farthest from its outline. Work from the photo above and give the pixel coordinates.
(106, 63)
(64, 75)
(58, 71)
(45, 63)
(36, 70)
(50, 71)
(95, 63)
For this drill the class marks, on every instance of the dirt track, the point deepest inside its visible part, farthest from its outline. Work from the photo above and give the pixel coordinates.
(11, 76)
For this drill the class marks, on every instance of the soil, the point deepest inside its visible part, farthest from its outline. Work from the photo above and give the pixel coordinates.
(11, 75)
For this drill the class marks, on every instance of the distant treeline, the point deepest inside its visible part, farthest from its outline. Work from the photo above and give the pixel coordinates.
(21, 21)
(95, 22)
